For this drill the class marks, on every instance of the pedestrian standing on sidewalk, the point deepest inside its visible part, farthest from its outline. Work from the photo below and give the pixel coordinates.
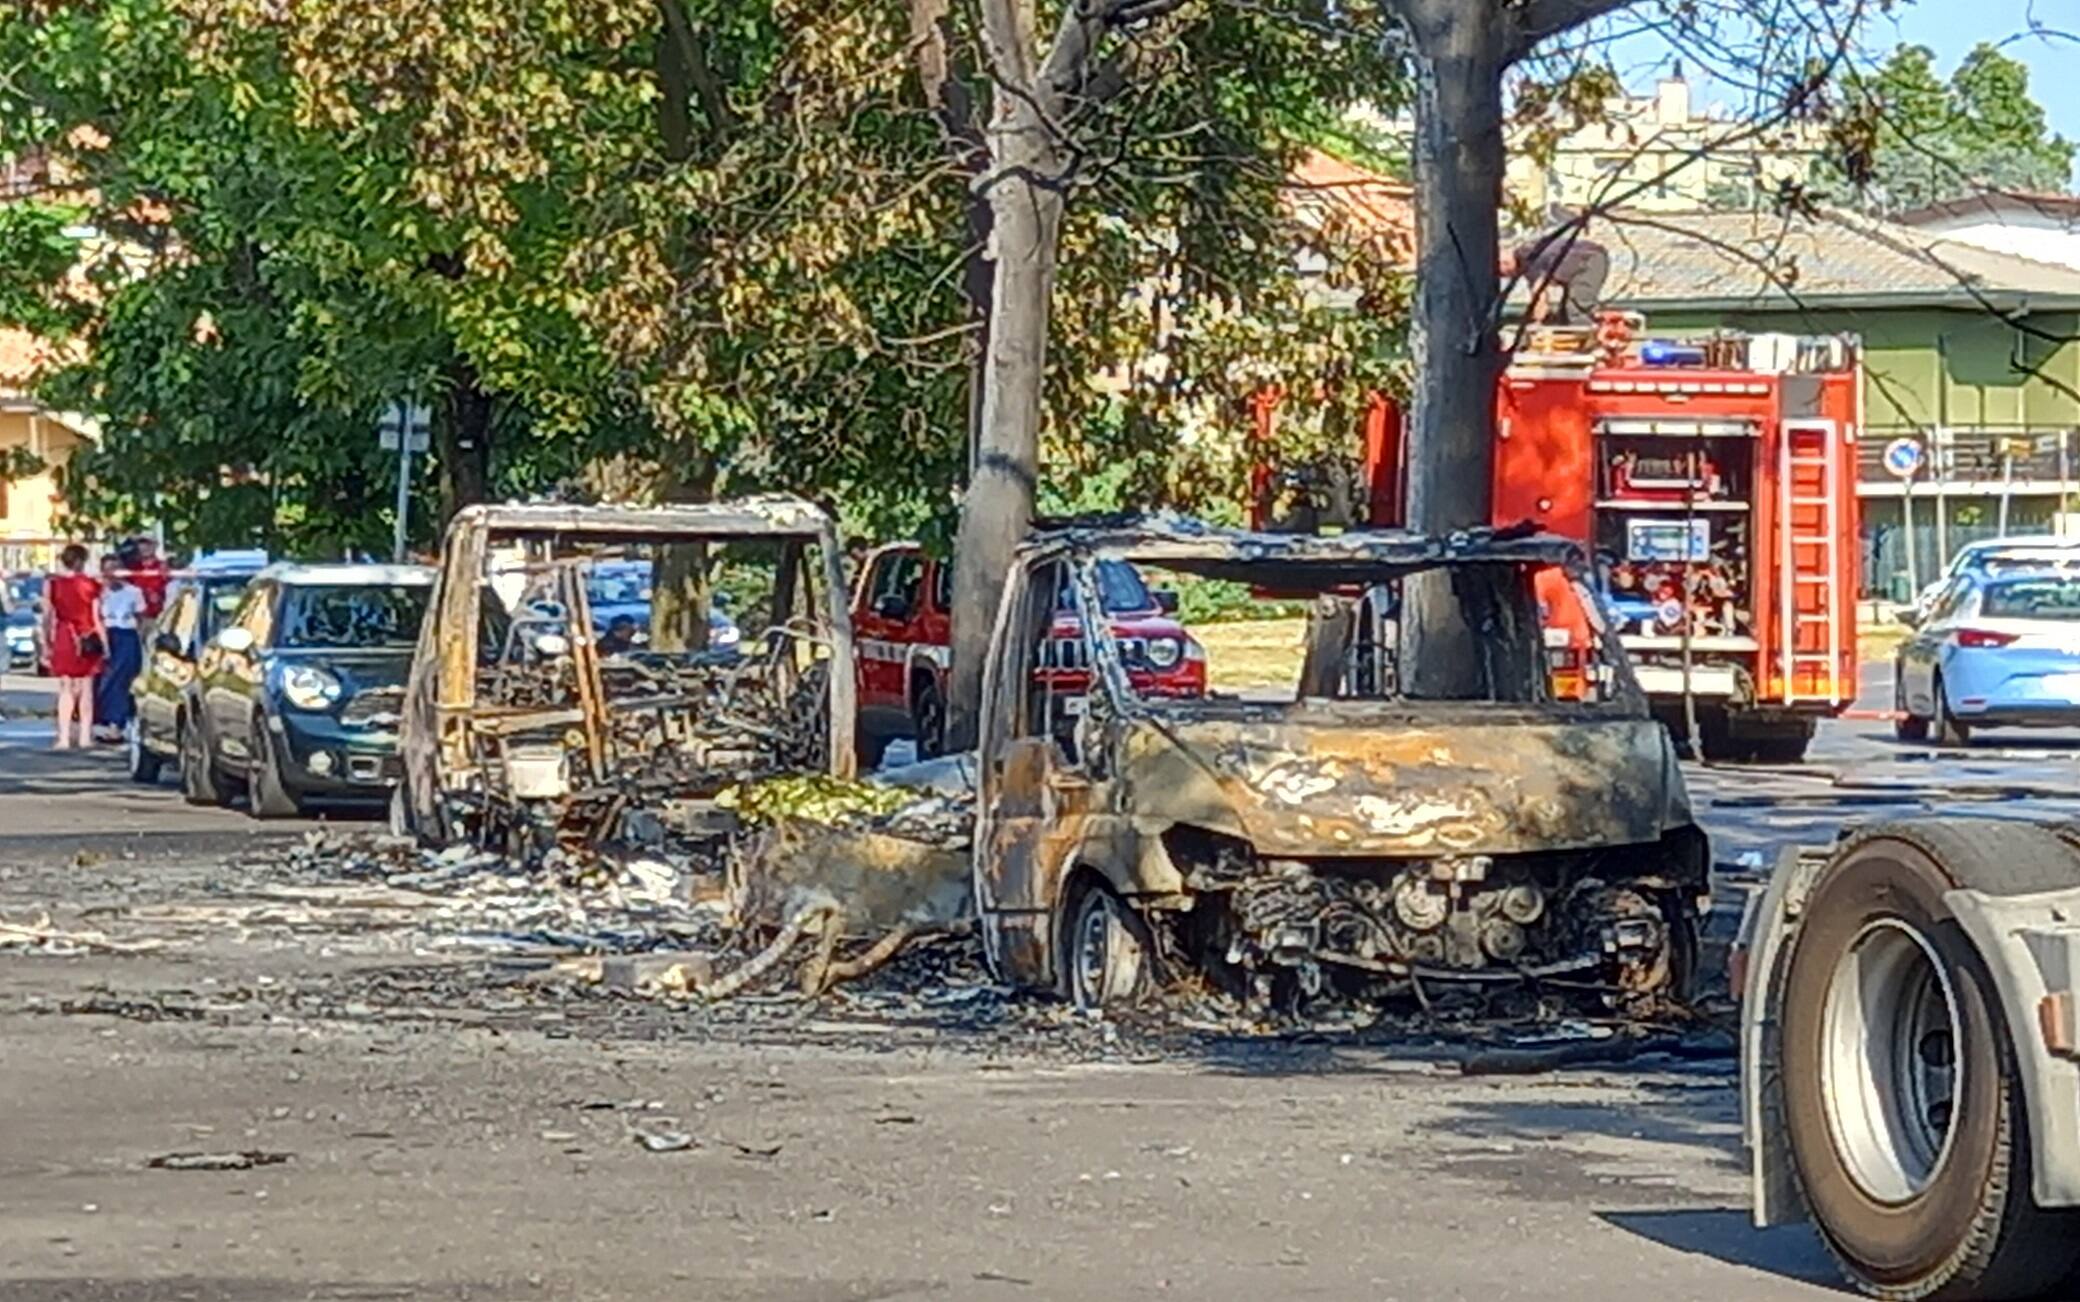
(122, 607)
(75, 641)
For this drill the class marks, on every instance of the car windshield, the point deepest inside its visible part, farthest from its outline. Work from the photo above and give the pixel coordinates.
(226, 598)
(2039, 596)
(1120, 587)
(21, 618)
(353, 618)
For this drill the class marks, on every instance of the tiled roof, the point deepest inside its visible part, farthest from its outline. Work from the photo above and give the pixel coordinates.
(1353, 203)
(1769, 259)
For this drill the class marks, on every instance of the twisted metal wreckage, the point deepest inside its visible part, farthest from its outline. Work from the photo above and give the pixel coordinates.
(1347, 839)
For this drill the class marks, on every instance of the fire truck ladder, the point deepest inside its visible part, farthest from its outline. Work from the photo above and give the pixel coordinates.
(1810, 524)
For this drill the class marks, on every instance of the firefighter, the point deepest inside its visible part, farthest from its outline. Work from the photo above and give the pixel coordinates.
(1564, 271)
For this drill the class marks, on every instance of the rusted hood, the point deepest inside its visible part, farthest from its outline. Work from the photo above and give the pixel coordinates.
(1406, 788)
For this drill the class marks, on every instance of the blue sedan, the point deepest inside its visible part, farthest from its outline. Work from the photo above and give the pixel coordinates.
(1994, 650)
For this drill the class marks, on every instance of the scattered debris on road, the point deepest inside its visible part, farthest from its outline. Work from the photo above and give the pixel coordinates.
(242, 1161)
(40, 936)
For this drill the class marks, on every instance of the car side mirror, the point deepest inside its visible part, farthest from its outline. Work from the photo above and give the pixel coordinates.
(1908, 615)
(236, 640)
(1166, 601)
(890, 605)
(171, 645)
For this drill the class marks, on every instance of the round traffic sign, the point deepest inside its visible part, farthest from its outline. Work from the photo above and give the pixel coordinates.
(1903, 457)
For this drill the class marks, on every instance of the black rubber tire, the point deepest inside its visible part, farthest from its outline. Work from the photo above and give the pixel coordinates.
(1905, 726)
(1774, 750)
(1119, 987)
(266, 795)
(1973, 1231)
(928, 719)
(144, 763)
(1944, 728)
(201, 784)
(872, 748)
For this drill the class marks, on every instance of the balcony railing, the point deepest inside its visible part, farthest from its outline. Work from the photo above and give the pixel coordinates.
(1954, 456)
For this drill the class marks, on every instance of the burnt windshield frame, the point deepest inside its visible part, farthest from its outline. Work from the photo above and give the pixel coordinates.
(1304, 578)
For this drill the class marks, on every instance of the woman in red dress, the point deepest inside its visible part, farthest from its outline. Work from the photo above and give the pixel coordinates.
(75, 641)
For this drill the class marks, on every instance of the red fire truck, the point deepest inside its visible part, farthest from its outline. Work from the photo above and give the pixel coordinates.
(1714, 484)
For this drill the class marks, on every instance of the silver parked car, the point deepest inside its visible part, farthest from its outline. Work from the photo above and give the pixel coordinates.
(1995, 650)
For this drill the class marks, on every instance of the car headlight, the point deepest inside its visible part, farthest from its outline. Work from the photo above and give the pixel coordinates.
(1165, 652)
(308, 688)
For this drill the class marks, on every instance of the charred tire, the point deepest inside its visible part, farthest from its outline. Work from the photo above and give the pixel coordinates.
(266, 794)
(1103, 957)
(1906, 725)
(201, 784)
(872, 748)
(1944, 726)
(144, 762)
(1904, 1109)
(928, 719)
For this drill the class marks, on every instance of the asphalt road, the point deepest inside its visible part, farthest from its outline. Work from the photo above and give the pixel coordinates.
(488, 1146)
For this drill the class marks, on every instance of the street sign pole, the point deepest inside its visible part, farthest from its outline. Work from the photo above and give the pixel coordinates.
(405, 426)
(404, 499)
(1903, 458)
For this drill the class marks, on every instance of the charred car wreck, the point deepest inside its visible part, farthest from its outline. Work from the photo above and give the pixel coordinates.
(1355, 830)
(533, 720)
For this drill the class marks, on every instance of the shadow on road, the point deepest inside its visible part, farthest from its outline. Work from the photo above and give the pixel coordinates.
(1725, 1234)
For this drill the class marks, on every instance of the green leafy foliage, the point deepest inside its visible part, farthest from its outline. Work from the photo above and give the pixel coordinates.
(644, 248)
(1908, 137)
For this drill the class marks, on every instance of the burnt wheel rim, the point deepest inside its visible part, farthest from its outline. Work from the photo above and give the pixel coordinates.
(928, 725)
(1890, 1073)
(1091, 953)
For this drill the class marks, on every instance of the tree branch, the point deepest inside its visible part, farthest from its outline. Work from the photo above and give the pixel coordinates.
(1535, 20)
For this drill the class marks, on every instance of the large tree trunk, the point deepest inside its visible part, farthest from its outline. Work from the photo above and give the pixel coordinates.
(679, 588)
(464, 437)
(1459, 164)
(998, 508)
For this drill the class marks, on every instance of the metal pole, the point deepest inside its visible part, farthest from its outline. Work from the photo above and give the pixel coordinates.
(404, 490)
(1942, 478)
(2007, 482)
(1906, 513)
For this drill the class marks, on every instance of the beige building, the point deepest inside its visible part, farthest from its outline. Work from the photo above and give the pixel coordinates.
(30, 506)
(1660, 153)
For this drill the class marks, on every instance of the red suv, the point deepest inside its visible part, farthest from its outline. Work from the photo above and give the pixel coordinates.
(902, 620)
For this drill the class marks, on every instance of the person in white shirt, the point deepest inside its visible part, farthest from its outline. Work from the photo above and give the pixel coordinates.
(122, 609)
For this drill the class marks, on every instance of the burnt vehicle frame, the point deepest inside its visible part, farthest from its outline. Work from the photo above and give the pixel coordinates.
(547, 740)
(1366, 843)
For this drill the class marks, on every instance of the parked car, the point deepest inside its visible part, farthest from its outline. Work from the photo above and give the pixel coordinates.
(2000, 555)
(902, 615)
(21, 639)
(24, 623)
(298, 697)
(1995, 650)
(622, 590)
(199, 604)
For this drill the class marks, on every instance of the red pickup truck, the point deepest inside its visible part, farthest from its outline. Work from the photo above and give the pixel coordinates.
(902, 624)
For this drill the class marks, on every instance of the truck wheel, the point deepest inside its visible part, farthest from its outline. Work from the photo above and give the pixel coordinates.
(201, 784)
(871, 748)
(1904, 1109)
(1103, 962)
(268, 796)
(928, 717)
(1906, 726)
(1945, 727)
(144, 761)
(1775, 750)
